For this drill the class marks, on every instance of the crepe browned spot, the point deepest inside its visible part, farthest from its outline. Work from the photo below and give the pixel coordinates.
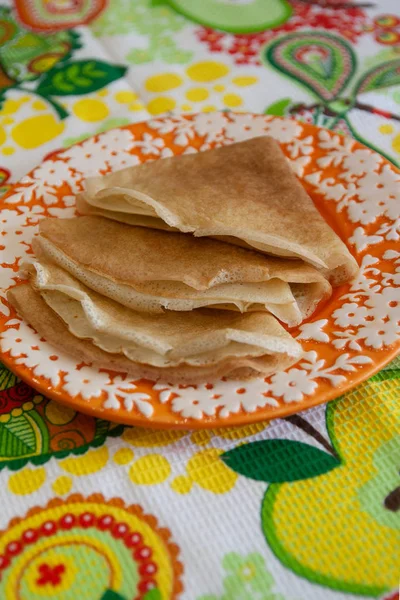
(150, 270)
(245, 193)
(34, 309)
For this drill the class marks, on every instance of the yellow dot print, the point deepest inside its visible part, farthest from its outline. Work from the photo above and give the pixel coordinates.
(90, 110)
(232, 100)
(5, 418)
(39, 105)
(62, 485)
(7, 121)
(150, 470)
(386, 129)
(209, 108)
(160, 105)
(27, 481)
(123, 456)
(244, 81)
(219, 87)
(59, 415)
(396, 143)
(208, 70)
(201, 437)
(91, 462)
(238, 433)
(209, 472)
(186, 107)
(35, 131)
(3, 135)
(163, 82)
(150, 438)
(7, 150)
(102, 93)
(182, 484)
(10, 107)
(136, 106)
(16, 412)
(197, 94)
(125, 97)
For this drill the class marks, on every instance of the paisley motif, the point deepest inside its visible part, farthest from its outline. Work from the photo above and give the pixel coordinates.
(322, 62)
(382, 76)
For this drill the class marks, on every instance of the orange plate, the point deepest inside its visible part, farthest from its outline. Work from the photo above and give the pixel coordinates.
(345, 342)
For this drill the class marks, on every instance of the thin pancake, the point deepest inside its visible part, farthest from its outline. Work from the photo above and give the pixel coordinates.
(31, 306)
(194, 338)
(244, 192)
(149, 270)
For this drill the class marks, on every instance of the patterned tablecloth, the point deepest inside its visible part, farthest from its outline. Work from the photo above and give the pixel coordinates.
(95, 511)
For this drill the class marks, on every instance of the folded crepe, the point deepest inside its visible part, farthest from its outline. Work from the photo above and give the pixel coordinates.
(150, 270)
(178, 347)
(244, 193)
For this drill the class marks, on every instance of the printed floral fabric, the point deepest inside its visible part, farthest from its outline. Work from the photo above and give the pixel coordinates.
(303, 508)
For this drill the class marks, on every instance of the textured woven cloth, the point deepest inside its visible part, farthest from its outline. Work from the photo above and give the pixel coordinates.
(304, 508)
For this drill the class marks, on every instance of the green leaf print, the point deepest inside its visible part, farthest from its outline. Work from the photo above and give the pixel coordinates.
(79, 77)
(279, 460)
(278, 108)
(7, 379)
(111, 595)
(22, 436)
(153, 594)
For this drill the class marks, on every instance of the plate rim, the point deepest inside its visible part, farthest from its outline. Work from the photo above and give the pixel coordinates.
(177, 421)
(190, 424)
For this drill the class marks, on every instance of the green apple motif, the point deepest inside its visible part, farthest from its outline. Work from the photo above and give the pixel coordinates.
(385, 484)
(235, 16)
(333, 516)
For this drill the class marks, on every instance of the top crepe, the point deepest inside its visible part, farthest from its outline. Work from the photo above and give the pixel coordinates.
(244, 193)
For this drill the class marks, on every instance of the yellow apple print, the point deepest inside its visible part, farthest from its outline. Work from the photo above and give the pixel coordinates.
(334, 517)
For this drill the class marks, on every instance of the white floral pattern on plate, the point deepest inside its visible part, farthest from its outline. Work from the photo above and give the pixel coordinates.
(365, 319)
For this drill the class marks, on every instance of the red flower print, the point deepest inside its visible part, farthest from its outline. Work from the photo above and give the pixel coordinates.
(245, 48)
(50, 574)
(211, 38)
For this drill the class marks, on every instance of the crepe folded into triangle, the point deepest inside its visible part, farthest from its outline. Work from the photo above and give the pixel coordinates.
(245, 193)
(177, 347)
(150, 270)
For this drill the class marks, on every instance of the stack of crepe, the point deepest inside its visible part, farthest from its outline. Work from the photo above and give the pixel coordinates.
(129, 288)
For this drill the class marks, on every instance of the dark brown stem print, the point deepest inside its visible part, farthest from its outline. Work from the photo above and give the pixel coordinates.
(376, 111)
(338, 5)
(347, 102)
(299, 107)
(310, 430)
(392, 500)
